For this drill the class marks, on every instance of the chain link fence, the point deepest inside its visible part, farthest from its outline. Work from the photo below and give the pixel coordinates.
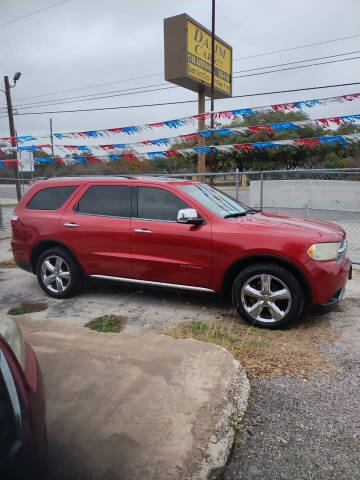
(332, 195)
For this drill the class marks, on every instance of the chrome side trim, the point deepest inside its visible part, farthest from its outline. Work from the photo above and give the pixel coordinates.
(11, 388)
(156, 284)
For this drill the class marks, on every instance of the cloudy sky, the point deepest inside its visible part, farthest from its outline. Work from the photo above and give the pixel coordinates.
(81, 43)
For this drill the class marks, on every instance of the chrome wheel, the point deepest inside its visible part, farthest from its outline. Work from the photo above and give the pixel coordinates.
(55, 274)
(266, 298)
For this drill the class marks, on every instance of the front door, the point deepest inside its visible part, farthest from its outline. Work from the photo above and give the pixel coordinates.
(97, 229)
(164, 250)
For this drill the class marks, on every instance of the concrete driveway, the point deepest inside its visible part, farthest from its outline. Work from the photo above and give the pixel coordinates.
(135, 407)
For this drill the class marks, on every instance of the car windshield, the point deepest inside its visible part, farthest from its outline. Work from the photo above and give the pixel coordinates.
(217, 202)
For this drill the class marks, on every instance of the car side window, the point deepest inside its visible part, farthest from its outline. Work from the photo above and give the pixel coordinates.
(158, 204)
(106, 200)
(51, 198)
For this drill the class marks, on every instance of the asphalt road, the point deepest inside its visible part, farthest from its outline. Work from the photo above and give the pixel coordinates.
(306, 430)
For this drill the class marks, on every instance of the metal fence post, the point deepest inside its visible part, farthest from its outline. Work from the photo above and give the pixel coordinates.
(261, 189)
(237, 184)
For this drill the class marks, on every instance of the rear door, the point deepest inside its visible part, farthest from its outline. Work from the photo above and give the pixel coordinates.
(164, 250)
(97, 229)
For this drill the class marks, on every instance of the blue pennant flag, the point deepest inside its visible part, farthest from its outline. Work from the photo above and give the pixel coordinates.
(306, 103)
(1, 164)
(174, 123)
(204, 133)
(114, 157)
(43, 160)
(202, 149)
(120, 145)
(80, 159)
(83, 148)
(280, 127)
(160, 141)
(156, 154)
(351, 118)
(93, 133)
(265, 145)
(28, 148)
(223, 131)
(60, 136)
(243, 111)
(332, 140)
(26, 138)
(130, 130)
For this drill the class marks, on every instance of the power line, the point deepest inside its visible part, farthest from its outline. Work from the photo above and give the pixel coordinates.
(294, 68)
(34, 13)
(298, 61)
(98, 98)
(159, 74)
(298, 47)
(187, 101)
(172, 103)
(83, 98)
(92, 86)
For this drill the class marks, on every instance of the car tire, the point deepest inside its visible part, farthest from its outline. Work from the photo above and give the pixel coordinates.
(267, 296)
(58, 273)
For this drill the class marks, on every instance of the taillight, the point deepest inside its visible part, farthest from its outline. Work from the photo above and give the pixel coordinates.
(13, 220)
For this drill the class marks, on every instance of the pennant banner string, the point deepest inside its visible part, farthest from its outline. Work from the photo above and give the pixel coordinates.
(241, 147)
(181, 122)
(252, 129)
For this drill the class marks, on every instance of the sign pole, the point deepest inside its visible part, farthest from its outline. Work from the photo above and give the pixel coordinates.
(201, 126)
(212, 86)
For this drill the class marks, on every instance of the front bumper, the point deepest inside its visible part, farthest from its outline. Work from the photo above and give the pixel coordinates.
(335, 299)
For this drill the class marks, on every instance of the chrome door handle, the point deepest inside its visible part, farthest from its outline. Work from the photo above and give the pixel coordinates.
(142, 230)
(72, 225)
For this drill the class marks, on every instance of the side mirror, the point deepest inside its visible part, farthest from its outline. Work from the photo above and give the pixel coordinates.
(189, 215)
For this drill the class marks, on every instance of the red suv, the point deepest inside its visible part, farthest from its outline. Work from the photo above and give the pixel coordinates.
(180, 234)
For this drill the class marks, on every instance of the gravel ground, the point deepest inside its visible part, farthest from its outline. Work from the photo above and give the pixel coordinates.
(299, 429)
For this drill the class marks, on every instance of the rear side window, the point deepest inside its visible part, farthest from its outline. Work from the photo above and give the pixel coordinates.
(51, 198)
(106, 200)
(158, 204)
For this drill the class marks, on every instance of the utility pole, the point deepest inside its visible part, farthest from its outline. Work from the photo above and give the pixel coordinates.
(12, 129)
(212, 86)
(52, 146)
(201, 126)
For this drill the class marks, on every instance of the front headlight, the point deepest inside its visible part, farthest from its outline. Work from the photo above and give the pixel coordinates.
(11, 332)
(324, 251)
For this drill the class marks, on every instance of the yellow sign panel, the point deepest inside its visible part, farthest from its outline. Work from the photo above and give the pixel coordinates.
(199, 58)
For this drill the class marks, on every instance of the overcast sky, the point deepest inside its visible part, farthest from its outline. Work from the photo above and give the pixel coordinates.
(85, 42)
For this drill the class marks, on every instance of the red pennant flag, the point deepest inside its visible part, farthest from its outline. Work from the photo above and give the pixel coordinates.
(256, 130)
(309, 142)
(59, 161)
(351, 97)
(159, 124)
(115, 130)
(247, 147)
(107, 147)
(93, 159)
(172, 153)
(71, 147)
(283, 107)
(190, 136)
(130, 156)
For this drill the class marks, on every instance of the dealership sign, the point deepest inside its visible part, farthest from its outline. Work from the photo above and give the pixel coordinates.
(188, 57)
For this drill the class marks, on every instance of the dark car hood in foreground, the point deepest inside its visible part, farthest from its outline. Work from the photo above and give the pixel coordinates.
(293, 225)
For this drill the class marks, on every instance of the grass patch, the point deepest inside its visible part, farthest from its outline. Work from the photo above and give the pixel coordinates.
(27, 307)
(10, 263)
(107, 324)
(268, 353)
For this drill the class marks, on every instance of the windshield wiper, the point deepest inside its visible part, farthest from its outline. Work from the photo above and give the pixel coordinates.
(242, 214)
